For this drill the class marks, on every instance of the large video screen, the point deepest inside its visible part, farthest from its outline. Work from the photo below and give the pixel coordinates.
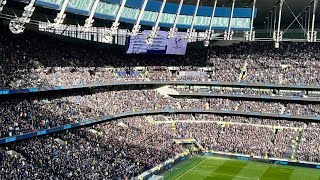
(161, 44)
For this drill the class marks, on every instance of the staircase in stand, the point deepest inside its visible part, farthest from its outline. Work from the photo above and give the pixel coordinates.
(243, 71)
(295, 144)
(199, 145)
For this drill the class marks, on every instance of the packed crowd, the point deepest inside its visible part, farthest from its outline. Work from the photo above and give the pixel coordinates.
(124, 148)
(114, 150)
(31, 61)
(19, 116)
(37, 60)
(242, 139)
(251, 106)
(127, 147)
(28, 115)
(309, 148)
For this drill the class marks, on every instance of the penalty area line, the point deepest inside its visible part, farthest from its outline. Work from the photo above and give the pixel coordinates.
(191, 169)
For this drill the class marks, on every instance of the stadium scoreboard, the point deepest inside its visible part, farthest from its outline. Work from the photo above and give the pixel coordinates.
(161, 44)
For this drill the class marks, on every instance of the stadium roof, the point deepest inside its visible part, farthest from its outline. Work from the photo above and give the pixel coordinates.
(264, 7)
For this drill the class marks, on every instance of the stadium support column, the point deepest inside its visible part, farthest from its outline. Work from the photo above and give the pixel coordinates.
(251, 34)
(2, 3)
(313, 35)
(174, 30)
(61, 15)
(136, 27)
(229, 36)
(191, 31)
(115, 25)
(309, 17)
(89, 21)
(156, 27)
(268, 24)
(17, 25)
(278, 33)
(209, 32)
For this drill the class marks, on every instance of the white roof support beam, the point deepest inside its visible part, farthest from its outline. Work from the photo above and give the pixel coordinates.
(2, 3)
(309, 17)
(136, 27)
(115, 25)
(305, 17)
(275, 18)
(174, 28)
(267, 27)
(89, 21)
(156, 27)
(251, 38)
(17, 25)
(313, 33)
(61, 15)
(191, 31)
(278, 38)
(210, 32)
(271, 23)
(229, 37)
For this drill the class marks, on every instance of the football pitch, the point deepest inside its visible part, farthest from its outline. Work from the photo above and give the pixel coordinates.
(214, 168)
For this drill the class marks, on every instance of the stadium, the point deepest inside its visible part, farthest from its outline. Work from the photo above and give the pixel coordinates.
(159, 89)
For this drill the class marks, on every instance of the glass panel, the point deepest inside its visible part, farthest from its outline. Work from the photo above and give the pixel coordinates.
(107, 9)
(59, 2)
(149, 16)
(240, 22)
(220, 22)
(202, 21)
(184, 19)
(130, 13)
(81, 4)
(167, 18)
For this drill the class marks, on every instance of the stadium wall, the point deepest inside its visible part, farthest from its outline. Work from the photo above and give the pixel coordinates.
(163, 167)
(263, 160)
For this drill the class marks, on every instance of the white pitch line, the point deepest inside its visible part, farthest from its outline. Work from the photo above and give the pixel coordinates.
(243, 177)
(190, 169)
(202, 172)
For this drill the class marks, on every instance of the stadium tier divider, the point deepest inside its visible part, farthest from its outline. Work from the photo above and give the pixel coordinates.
(90, 122)
(195, 83)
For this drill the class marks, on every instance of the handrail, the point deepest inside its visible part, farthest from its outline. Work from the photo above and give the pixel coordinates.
(249, 97)
(197, 83)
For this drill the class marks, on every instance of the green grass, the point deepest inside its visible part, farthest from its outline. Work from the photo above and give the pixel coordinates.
(213, 168)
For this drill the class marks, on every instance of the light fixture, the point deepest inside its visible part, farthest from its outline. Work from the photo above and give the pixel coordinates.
(89, 21)
(108, 36)
(17, 25)
(2, 3)
(58, 21)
